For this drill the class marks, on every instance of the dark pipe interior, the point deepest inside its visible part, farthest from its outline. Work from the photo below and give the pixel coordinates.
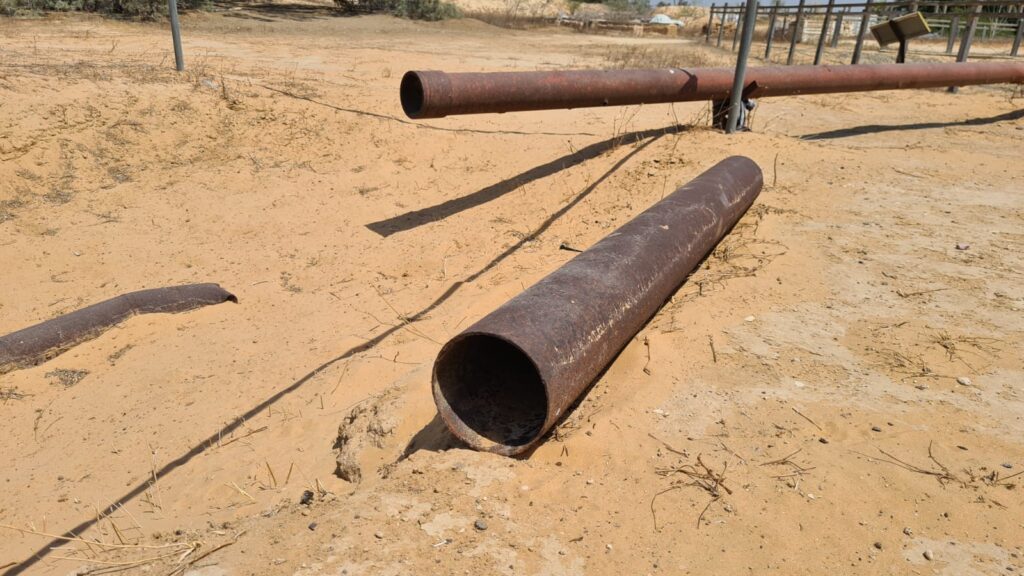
(411, 93)
(492, 388)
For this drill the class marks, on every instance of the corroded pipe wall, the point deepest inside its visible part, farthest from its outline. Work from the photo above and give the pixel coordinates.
(506, 380)
(433, 94)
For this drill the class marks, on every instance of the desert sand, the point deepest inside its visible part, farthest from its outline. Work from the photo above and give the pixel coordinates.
(795, 409)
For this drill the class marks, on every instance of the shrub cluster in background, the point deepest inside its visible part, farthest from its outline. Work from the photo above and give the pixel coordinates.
(132, 8)
(412, 9)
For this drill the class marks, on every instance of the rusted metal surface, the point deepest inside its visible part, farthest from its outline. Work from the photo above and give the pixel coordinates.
(432, 94)
(506, 380)
(36, 344)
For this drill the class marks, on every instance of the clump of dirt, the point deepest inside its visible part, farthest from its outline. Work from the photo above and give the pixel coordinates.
(367, 424)
(66, 378)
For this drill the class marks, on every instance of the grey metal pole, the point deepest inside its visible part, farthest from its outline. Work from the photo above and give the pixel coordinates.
(721, 24)
(954, 31)
(771, 32)
(865, 18)
(965, 44)
(797, 32)
(711, 24)
(1020, 33)
(179, 57)
(824, 32)
(736, 96)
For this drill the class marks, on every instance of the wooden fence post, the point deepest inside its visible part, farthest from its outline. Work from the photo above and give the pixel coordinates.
(820, 51)
(965, 44)
(837, 32)
(711, 24)
(954, 31)
(865, 18)
(797, 32)
(721, 24)
(1020, 32)
(771, 32)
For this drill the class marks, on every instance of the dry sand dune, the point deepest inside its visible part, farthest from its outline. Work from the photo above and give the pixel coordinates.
(795, 409)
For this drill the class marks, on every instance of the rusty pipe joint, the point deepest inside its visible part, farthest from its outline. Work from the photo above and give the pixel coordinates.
(511, 376)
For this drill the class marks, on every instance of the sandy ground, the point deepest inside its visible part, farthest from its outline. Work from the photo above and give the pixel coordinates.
(811, 365)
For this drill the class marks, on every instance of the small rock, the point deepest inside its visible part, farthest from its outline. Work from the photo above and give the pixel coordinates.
(823, 440)
(921, 386)
(908, 531)
(591, 480)
(877, 545)
(378, 535)
(928, 555)
(312, 526)
(608, 547)
(963, 380)
(480, 525)
(307, 497)
(748, 319)
(1007, 465)
(798, 384)
(962, 246)
(876, 429)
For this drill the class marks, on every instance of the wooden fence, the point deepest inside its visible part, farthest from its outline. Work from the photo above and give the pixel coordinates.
(953, 19)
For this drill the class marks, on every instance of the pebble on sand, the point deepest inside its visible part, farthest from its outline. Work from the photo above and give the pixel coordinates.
(928, 555)
(963, 380)
(480, 525)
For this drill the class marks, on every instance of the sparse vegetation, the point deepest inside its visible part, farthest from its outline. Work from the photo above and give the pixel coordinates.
(145, 9)
(430, 10)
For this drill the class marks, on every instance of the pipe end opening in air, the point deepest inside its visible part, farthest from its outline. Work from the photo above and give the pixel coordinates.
(411, 92)
(490, 393)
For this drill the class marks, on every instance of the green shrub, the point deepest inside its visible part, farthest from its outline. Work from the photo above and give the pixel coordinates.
(130, 8)
(425, 9)
(411, 9)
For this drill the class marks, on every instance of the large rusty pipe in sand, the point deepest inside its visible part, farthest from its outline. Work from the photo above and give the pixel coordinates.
(433, 94)
(507, 379)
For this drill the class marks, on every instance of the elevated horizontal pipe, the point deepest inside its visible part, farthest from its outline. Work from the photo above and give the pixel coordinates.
(433, 94)
(506, 380)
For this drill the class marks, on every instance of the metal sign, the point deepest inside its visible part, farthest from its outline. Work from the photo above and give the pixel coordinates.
(900, 29)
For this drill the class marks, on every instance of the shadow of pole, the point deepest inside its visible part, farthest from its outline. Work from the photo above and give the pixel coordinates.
(423, 216)
(213, 439)
(877, 128)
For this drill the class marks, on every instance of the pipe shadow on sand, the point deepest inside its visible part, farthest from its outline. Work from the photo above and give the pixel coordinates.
(877, 128)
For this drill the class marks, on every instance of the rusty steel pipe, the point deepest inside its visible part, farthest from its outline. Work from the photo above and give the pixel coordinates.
(432, 94)
(507, 379)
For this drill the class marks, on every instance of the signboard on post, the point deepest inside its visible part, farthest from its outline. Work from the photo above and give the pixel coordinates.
(901, 30)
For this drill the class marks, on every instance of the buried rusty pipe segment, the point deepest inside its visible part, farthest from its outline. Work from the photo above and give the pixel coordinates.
(506, 380)
(432, 94)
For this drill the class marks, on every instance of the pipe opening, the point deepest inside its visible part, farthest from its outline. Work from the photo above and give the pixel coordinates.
(411, 93)
(491, 391)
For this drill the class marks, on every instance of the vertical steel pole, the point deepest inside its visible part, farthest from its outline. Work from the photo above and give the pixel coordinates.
(865, 18)
(837, 32)
(179, 57)
(736, 96)
(965, 44)
(954, 31)
(797, 32)
(721, 24)
(1020, 33)
(771, 32)
(824, 32)
(711, 24)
